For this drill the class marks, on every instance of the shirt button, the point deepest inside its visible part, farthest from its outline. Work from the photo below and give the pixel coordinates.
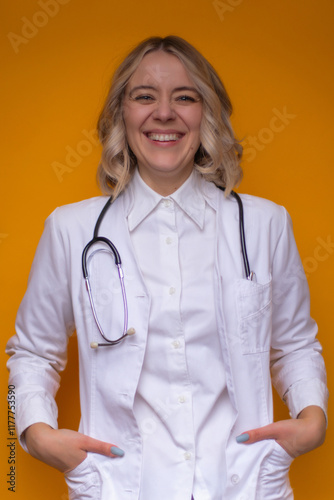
(181, 399)
(187, 455)
(166, 203)
(235, 479)
(172, 290)
(169, 240)
(176, 344)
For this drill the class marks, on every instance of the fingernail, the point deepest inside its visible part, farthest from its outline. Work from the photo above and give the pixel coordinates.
(242, 438)
(117, 451)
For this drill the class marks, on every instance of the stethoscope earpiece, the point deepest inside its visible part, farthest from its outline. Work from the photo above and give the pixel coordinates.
(95, 345)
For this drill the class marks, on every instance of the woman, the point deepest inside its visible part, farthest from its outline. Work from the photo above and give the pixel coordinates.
(180, 404)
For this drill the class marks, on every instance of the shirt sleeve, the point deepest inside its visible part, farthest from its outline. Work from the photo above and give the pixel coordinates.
(297, 364)
(38, 351)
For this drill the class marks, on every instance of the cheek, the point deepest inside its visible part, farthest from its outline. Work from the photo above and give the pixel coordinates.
(198, 118)
(128, 118)
(194, 119)
(131, 129)
(134, 117)
(196, 123)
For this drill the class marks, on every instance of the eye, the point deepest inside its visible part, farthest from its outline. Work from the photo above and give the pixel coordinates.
(186, 98)
(145, 98)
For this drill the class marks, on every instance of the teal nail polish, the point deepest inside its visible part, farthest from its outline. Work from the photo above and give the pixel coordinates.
(242, 438)
(117, 451)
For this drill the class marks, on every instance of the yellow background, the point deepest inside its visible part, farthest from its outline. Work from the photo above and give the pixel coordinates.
(273, 55)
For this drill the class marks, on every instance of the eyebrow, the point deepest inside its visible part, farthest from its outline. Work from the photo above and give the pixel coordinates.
(150, 87)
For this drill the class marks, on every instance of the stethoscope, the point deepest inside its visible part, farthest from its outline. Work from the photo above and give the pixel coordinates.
(250, 275)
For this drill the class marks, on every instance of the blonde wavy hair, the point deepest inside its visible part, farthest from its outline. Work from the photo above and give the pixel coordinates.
(217, 158)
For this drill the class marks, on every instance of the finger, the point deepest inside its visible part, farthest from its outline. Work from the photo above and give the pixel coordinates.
(101, 447)
(270, 431)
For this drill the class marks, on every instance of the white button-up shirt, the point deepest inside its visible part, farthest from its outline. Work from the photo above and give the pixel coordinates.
(181, 400)
(259, 325)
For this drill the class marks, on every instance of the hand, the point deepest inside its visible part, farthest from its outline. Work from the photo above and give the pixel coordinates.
(64, 449)
(295, 436)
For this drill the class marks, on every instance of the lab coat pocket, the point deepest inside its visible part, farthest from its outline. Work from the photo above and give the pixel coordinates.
(274, 475)
(254, 309)
(83, 481)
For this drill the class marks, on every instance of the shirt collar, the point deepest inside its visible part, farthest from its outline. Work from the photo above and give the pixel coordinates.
(190, 197)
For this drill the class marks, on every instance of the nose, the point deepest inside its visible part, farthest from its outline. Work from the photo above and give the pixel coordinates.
(164, 110)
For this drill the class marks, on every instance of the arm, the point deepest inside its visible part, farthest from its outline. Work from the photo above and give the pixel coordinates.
(297, 365)
(38, 355)
(38, 351)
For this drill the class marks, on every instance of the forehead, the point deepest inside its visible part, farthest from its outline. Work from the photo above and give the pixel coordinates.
(160, 68)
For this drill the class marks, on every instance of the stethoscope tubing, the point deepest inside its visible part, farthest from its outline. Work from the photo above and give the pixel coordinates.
(249, 274)
(118, 262)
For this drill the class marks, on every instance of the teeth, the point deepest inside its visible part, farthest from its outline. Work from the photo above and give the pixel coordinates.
(163, 137)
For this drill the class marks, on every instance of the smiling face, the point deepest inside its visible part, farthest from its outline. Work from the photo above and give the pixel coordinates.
(162, 113)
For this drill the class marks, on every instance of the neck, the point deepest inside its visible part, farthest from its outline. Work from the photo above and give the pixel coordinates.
(164, 183)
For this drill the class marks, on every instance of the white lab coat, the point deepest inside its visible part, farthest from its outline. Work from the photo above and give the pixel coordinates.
(261, 325)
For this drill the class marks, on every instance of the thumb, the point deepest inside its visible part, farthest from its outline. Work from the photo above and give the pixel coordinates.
(95, 446)
(253, 436)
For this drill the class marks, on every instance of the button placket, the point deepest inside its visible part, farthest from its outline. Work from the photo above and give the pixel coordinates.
(169, 248)
(169, 253)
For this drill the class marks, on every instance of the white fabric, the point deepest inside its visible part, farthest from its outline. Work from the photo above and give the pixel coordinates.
(260, 325)
(181, 398)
